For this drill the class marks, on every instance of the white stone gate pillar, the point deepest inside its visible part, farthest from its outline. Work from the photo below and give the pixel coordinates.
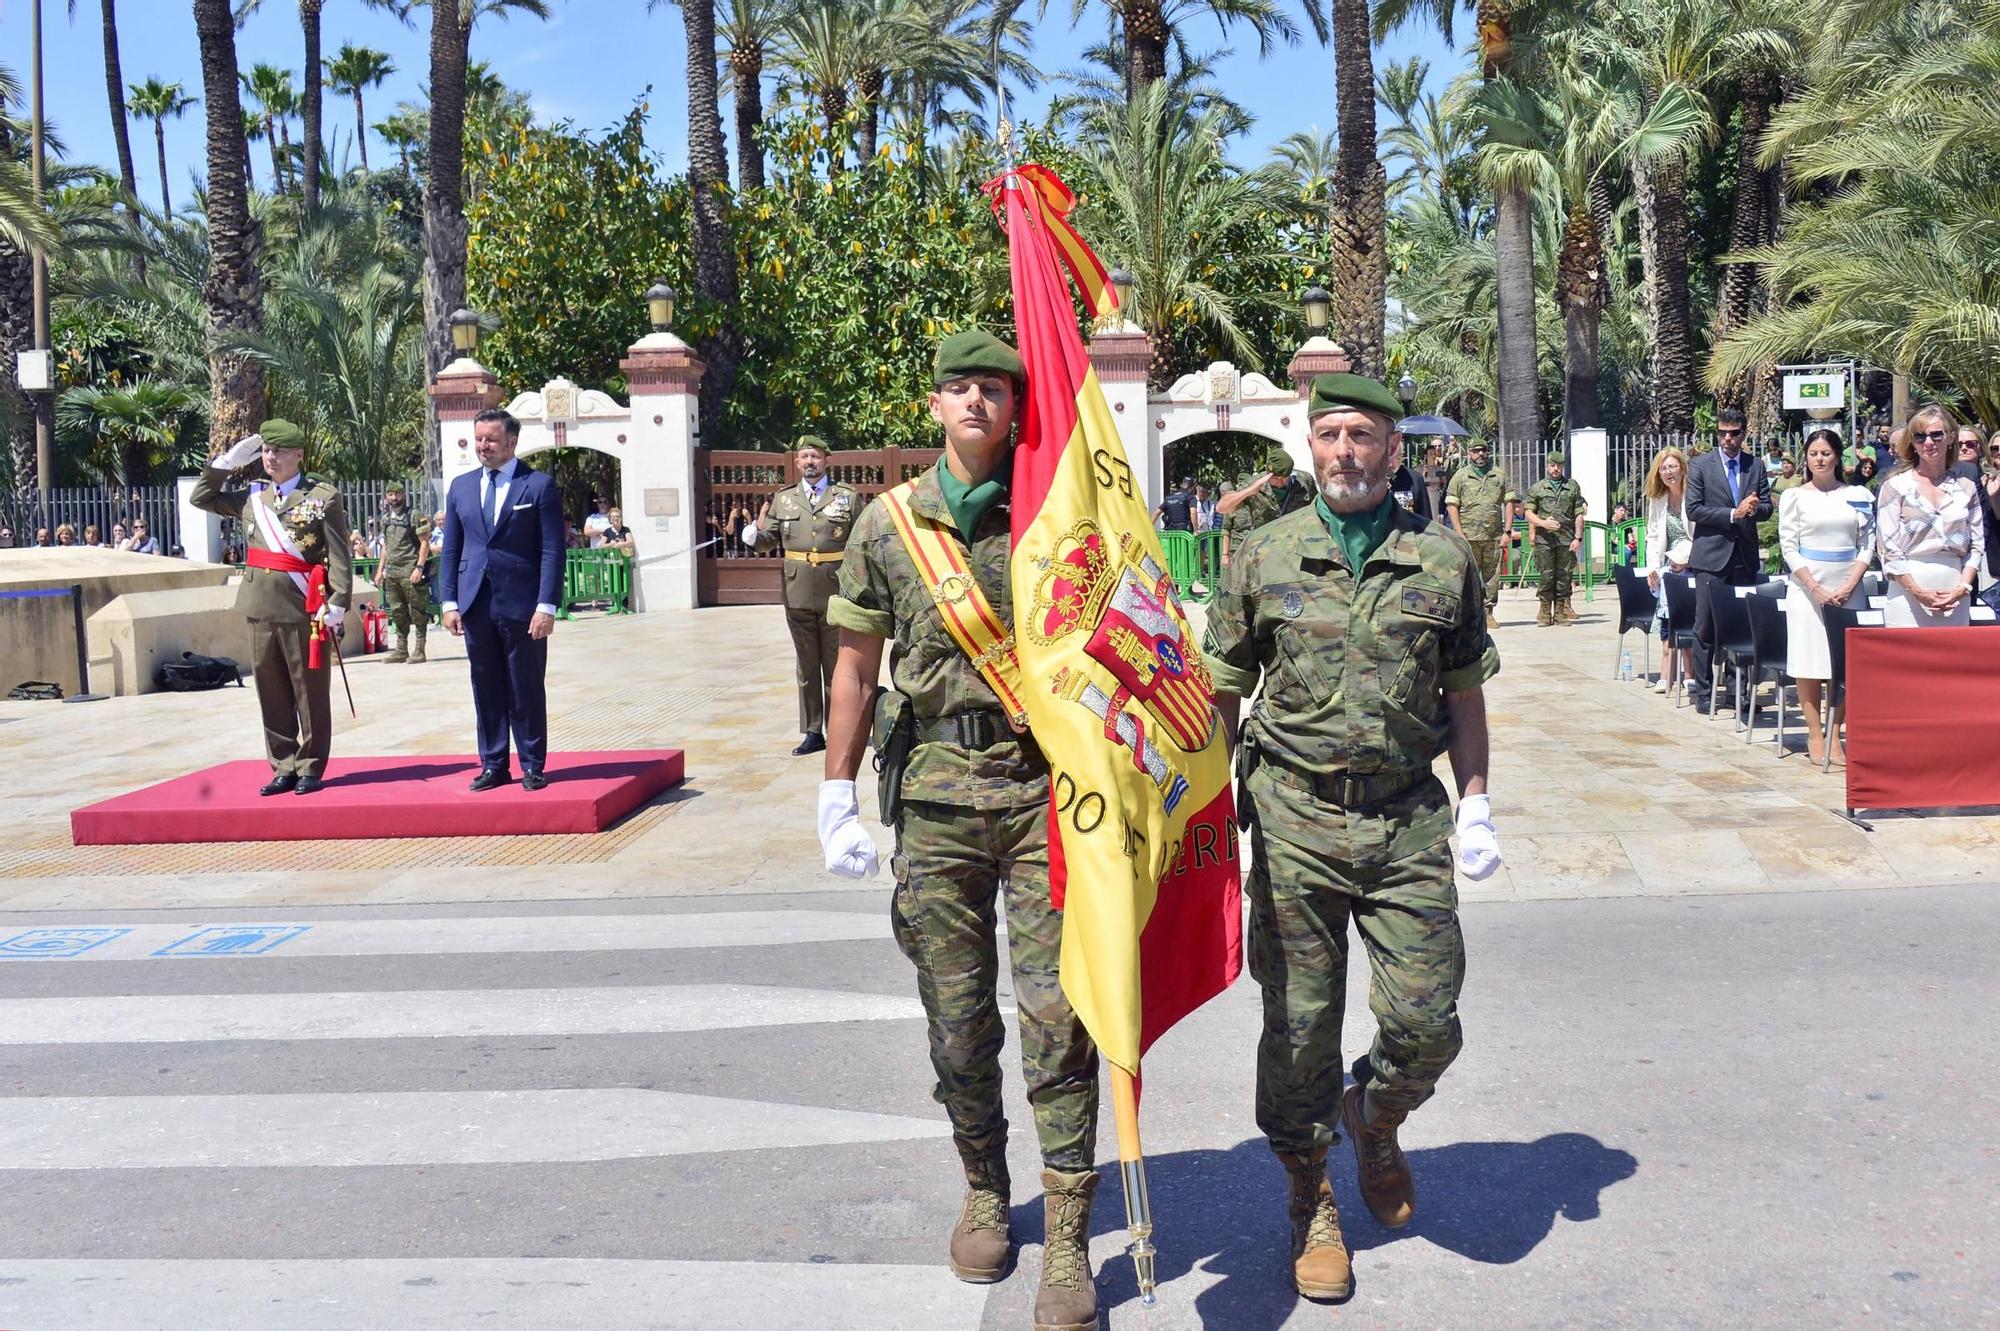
(658, 475)
(1317, 355)
(1121, 355)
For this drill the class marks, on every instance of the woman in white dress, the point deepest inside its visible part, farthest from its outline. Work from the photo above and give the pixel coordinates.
(1826, 534)
(1929, 526)
(1668, 543)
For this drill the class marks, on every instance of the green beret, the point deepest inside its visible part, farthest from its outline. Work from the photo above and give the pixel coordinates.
(1555, 456)
(282, 434)
(1279, 462)
(811, 441)
(976, 351)
(1352, 392)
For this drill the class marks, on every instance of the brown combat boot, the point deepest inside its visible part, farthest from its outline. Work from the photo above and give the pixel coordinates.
(1566, 613)
(1067, 1300)
(1546, 615)
(1321, 1268)
(1492, 620)
(397, 654)
(982, 1241)
(417, 648)
(1386, 1184)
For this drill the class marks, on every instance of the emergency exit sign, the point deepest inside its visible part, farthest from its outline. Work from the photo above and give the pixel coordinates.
(1803, 392)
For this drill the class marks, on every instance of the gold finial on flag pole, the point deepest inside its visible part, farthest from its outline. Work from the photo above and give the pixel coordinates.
(1132, 1173)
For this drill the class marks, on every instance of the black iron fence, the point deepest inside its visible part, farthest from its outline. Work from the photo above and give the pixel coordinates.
(115, 509)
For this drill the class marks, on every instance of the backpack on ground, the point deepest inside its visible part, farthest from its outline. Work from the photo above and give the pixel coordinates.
(194, 672)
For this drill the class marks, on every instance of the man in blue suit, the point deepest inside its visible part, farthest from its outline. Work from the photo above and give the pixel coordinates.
(499, 579)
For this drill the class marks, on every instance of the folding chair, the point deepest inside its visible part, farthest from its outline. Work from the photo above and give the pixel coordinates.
(1731, 618)
(1769, 645)
(1636, 604)
(1678, 588)
(1838, 620)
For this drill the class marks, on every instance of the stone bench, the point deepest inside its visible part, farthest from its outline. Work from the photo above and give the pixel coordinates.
(132, 635)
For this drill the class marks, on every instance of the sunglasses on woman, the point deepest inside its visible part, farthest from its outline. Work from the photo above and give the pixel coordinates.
(1930, 436)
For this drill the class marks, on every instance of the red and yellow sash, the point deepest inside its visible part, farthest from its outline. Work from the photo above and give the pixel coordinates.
(968, 615)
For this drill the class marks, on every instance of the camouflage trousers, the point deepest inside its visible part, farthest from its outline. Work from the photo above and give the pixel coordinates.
(1387, 868)
(952, 864)
(407, 602)
(1557, 563)
(1486, 557)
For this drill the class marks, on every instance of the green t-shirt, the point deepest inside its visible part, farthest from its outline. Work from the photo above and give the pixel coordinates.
(967, 504)
(1358, 535)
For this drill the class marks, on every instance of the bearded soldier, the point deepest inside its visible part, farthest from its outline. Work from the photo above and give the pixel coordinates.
(1365, 624)
(297, 582)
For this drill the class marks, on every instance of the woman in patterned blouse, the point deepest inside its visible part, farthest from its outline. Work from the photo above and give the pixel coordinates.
(1929, 529)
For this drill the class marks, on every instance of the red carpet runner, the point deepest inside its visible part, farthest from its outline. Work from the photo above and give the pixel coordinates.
(369, 798)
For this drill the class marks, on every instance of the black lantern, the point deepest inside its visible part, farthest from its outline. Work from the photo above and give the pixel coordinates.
(1318, 302)
(660, 306)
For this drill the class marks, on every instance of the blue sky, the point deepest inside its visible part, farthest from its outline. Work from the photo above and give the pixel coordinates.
(588, 65)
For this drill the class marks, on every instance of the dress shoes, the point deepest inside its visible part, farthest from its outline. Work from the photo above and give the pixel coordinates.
(307, 785)
(814, 742)
(490, 777)
(281, 784)
(533, 781)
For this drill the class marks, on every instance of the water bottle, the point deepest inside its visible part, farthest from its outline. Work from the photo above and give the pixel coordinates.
(1625, 666)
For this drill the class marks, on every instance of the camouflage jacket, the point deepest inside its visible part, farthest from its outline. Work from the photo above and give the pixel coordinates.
(406, 542)
(1479, 500)
(1354, 672)
(1561, 500)
(881, 593)
(1267, 505)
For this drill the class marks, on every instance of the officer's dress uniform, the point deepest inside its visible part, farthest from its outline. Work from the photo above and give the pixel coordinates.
(974, 825)
(811, 524)
(1563, 501)
(406, 546)
(1481, 498)
(296, 700)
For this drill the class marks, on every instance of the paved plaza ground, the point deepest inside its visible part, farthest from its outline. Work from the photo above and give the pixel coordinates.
(1728, 1061)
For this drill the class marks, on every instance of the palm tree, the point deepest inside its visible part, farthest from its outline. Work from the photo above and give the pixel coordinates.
(964, 44)
(158, 102)
(748, 32)
(233, 290)
(1152, 26)
(1357, 213)
(351, 73)
(819, 59)
(1307, 157)
(708, 183)
(253, 130)
(271, 87)
(1173, 212)
(309, 106)
(1562, 144)
(114, 84)
(129, 431)
(403, 131)
(25, 225)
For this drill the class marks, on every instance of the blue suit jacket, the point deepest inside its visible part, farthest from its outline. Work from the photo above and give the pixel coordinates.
(520, 561)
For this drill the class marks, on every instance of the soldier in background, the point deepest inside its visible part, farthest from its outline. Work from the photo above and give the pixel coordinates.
(1554, 509)
(1480, 501)
(1262, 498)
(1362, 622)
(403, 576)
(299, 575)
(810, 521)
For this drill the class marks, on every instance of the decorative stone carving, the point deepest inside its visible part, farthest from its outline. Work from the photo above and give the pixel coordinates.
(1224, 384)
(559, 401)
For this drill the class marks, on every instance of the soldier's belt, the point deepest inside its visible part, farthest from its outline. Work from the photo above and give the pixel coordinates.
(813, 557)
(968, 730)
(1344, 789)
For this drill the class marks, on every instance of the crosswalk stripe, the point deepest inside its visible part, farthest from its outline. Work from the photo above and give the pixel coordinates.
(416, 1128)
(495, 1294)
(459, 934)
(380, 1015)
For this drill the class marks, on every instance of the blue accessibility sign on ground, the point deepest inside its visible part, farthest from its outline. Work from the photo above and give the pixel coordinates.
(233, 940)
(57, 942)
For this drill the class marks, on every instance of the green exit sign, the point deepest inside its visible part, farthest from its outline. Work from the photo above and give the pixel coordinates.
(1820, 390)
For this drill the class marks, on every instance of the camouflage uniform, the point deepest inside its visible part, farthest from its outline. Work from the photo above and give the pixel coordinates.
(1267, 505)
(406, 547)
(975, 817)
(1481, 501)
(1349, 821)
(1563, 501)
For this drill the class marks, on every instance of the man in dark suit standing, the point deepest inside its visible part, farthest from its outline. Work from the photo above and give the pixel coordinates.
(499, 580)
(1728, 492)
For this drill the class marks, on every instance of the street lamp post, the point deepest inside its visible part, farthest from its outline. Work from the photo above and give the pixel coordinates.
(1318, 303)
(45, 439)
(464, 331)
(1406, 389)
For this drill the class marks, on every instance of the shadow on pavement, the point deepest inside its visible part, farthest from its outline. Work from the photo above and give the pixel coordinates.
(1224, 1212)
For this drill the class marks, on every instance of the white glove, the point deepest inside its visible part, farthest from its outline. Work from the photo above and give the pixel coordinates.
(850, 851)
(243, 454)
(1478, 843)
(331, 615)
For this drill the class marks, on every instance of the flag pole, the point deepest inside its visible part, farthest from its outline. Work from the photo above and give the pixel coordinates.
(1124, 1085)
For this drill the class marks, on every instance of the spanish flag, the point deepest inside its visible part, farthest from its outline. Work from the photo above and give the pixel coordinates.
(1142, 833)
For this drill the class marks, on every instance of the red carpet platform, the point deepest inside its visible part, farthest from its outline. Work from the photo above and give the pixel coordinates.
(368, 798)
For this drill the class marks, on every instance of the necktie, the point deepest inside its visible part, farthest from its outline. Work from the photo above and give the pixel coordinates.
(492, 497)
(1735, 489)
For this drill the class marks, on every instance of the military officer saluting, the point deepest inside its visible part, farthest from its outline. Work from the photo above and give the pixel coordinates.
(1363, 621)
(403, 576)
(1480, 500)
(297, 580)
(810, 521)
(1264, 497)
(1554, 509)
(968, 795)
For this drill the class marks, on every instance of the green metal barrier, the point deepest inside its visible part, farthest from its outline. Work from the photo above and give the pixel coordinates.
(597, 576)
(1194, 562)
